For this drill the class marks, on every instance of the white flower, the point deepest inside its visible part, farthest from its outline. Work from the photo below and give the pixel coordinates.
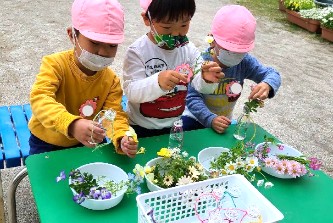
(199, 166)
(260, 183)
(239, 163)
(168, 180)
(252, 161)
(184, 180)
(230, 168)
(268, 185)
(194, 172)
(185, 154)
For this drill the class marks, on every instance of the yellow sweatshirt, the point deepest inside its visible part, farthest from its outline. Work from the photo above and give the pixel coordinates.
(58, 93)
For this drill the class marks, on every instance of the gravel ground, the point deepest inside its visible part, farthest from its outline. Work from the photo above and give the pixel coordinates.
(300, 115)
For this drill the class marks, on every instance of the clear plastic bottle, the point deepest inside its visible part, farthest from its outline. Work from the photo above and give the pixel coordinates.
(176, 135)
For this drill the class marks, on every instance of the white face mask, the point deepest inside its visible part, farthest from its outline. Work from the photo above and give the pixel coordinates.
(92, 61)
(228, 58)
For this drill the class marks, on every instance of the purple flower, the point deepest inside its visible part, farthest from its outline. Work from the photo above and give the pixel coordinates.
(105, 194)
(79, 198)
(94, 193)
(62, 176)
(315, 164)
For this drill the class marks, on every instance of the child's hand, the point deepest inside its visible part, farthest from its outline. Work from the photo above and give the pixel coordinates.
(81, 129)
(220, 124)
(211, 72)
(260, 91)
(168, 79)
(129, 146)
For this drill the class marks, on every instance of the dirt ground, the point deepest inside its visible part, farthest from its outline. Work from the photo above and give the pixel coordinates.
(300, 114)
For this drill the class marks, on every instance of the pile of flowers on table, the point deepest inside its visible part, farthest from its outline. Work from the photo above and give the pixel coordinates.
(176, 168)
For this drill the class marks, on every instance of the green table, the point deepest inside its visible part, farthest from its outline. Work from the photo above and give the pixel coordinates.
(300, 200)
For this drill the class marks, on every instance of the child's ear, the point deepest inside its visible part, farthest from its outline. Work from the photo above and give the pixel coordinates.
(145, 19)
(70, 34)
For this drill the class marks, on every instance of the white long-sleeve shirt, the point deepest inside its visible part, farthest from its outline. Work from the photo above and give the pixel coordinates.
(148, 105)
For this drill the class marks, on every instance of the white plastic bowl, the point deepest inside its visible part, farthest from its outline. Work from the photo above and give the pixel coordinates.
(207, 155)
(287, 150)
(111, 172)
(151, 186)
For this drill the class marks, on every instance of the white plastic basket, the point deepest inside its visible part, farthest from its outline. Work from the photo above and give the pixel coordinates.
(208, 201)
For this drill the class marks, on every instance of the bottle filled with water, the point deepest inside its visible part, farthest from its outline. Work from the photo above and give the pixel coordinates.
(176, 135)
(243, 123)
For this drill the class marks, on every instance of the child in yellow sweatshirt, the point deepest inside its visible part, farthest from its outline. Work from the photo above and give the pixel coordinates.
(74, 85)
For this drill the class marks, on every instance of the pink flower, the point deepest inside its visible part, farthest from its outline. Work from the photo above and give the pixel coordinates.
(269, 162)
(303, 170)
(294, 170)
(280, 169)
(315, 164)
(280, 147)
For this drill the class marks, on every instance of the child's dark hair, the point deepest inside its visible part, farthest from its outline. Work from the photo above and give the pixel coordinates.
(172, 10)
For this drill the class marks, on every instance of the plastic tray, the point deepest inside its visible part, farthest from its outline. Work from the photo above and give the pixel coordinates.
(205, 201)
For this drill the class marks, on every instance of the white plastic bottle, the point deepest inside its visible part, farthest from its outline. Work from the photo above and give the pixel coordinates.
(176, 135)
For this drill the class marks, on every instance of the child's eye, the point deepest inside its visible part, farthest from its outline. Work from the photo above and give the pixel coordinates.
(95, 43)
(113, 45)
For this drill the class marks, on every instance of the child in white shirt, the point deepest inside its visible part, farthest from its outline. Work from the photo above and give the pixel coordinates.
(158, 66)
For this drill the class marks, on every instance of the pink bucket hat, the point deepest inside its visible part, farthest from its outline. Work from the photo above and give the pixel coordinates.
(99, 20)
(233, 28)
(145, 4)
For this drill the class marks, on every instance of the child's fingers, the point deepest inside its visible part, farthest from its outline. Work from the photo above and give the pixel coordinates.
(179, 77)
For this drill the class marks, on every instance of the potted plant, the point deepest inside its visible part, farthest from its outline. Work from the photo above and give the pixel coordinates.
(313, 17)
(327, 24)
(292, 11)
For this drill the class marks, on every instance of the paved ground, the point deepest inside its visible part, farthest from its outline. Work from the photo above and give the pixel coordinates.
(300, 115)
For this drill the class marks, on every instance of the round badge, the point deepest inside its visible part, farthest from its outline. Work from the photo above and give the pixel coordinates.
(236, 88)
(87, 110)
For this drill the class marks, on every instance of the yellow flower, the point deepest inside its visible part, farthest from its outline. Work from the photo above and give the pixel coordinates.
(148, 169)
(142, 150)
(139, 170)
(223, 172)
(209, 39)
(164, 152)
(131, 133)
